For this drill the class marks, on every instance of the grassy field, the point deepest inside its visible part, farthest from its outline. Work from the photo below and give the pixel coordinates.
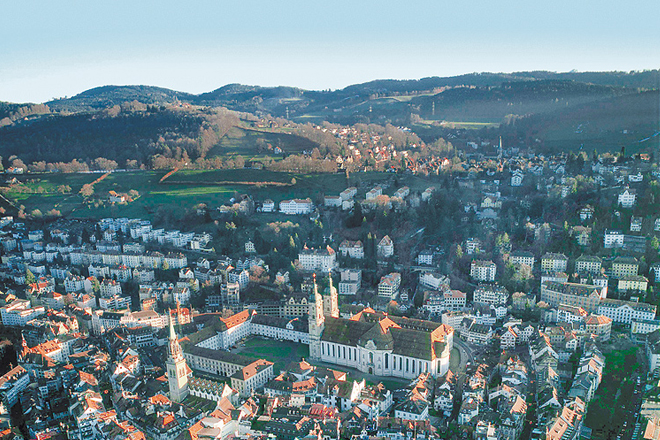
(244, 142)
(187, 188)
(280, 352)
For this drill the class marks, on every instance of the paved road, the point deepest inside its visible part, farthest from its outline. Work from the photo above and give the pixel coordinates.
(466, 354)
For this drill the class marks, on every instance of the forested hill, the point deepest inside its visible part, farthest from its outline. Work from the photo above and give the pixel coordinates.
(275, 100)
(108, 96)
(144, 124)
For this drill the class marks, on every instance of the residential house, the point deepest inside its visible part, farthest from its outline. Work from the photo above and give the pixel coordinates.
(385, 247)
(388, 287)
(551, 262)
(627, 198)
(483, 270)
(624, 266)
(352, 249)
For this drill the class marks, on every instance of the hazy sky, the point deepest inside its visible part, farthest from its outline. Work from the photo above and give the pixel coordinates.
(60, 48)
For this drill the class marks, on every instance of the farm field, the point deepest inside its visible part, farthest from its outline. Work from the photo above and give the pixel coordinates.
(253, 144)
(187, 188)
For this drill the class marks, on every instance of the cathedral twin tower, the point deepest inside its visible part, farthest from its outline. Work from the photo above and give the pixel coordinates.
(323, 306)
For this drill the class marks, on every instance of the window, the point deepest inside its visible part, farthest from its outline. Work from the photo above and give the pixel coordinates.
(387, 360)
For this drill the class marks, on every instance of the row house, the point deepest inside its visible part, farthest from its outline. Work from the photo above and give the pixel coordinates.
(580, 295)
(109, 288)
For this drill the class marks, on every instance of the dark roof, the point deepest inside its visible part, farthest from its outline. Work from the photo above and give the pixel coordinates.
(625, 260)
(589, 258)
(412, 343)
(344, 331)
(573, 288)
(218, 355)
(383, 341)
(526, 254)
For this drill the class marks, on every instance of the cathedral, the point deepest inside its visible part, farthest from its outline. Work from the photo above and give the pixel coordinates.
(374, 342)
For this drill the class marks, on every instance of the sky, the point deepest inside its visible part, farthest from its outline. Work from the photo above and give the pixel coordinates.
(51, 49)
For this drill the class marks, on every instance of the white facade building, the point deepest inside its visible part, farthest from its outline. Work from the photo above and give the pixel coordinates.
(613, 239)
(321, 260)
(482, 270)
(389, 285)
(626, 312)
(627, 198)
(296, 206)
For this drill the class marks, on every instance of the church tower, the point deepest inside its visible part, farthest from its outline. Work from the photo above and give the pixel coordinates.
(316, 323)
(177, 370)
(331, 299)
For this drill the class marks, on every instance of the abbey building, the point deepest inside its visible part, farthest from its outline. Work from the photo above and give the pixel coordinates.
(376, 343)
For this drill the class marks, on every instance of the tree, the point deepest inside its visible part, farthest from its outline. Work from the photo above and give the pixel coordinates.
(459, 252)
(166, 265)
(87, 190)
(29, 277)
(105, 164)
(96, 285)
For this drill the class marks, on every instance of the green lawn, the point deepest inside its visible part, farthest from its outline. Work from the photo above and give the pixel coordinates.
(280, 352)
(245, 142)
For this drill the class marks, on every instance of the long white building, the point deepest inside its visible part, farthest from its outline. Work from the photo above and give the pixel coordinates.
(626, 312)
(296, 206)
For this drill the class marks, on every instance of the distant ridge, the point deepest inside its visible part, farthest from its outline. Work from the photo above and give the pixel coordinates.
(104, 95)
(602, 110)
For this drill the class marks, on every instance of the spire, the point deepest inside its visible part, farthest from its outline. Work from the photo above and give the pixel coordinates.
(330, 278)
(316, 289)
(172, 332)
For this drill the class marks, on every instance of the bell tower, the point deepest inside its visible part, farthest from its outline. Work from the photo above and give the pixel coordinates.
(331, 299)
(316, 323)
(177, 369)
